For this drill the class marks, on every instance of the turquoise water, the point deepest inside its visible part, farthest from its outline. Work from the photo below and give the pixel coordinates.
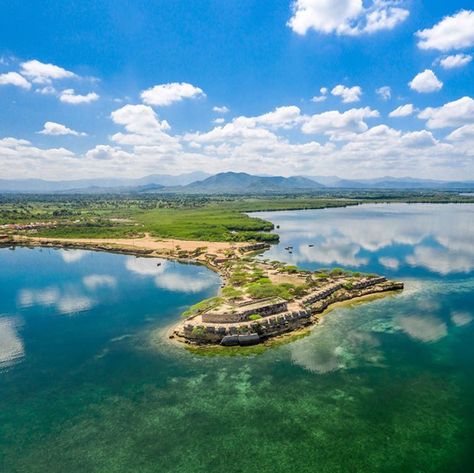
(88, 382)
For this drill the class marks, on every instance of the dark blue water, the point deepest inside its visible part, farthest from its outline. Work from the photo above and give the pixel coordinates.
(89, 382)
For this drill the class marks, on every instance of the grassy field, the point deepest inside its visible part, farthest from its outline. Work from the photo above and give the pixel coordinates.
(212, 218)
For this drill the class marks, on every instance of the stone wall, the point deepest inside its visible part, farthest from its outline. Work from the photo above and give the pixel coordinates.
(251, 332)
(368, 282)
(321, 294)
(264, 328)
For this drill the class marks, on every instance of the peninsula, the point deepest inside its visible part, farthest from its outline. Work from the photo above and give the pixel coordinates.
(258, 299)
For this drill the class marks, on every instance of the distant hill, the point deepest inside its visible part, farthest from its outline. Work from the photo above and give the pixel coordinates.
(224, 183)
(391, 183)
(152, 182)
(243, 183)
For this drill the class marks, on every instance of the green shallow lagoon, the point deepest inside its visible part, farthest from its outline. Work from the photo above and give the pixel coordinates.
(87, 384)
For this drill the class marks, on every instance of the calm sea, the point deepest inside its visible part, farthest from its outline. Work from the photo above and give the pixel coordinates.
(89, 383)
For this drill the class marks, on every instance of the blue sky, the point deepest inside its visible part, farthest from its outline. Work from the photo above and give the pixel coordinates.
(305, 87)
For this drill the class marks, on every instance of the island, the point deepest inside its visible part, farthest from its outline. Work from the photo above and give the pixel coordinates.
(258, 299)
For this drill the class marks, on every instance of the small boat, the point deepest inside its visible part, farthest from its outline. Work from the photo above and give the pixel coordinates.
(311, 246)
(158, 264)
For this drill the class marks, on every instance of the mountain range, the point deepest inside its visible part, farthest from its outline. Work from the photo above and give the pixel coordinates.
(100, 184)
(223, 183)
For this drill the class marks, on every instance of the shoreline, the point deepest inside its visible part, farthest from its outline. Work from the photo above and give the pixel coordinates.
(243, 320)
(147, 247)
(280, 327)
(278, 340)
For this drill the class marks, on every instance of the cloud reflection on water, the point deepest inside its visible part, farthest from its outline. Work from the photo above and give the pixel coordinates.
(167, 275)
(11, 345)
(438, 238)
(426, 328)
(65, 302)
(95, 281)
(72, 256)
(461, 318)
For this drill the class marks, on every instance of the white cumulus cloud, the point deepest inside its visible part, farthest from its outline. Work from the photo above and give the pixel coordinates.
(385, 92)
(347, 94)
(69, 96)
(107, 152)
(334, 122)
(13, 78)
(345, 17)
(452, 32)
(426, 82)
(166, 94)
(46, 90)
(321, 98)
(41, 73)
(455, 60)
(457, 113)
(143, 127)
(462, 134)
(222, 109)
(56, 129)
(402, 111)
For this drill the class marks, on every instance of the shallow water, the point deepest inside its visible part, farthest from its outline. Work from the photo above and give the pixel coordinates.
(89, 384)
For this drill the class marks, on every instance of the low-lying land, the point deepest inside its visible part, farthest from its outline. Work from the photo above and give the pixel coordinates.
(184, 217)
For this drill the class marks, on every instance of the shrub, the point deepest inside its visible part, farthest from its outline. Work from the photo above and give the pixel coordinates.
(238, 278)
(202, 306)
(199, 331)
(231, 293)
(267, 289)
(299, 291)
(262, 290)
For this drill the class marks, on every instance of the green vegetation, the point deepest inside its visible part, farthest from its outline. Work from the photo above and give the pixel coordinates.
(289, 269)
(231, 293)
(183, 217)
(263, 290)
(199, 330)
(202, 306)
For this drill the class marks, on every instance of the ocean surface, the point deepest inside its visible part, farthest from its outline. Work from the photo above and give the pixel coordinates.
(89, 382)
